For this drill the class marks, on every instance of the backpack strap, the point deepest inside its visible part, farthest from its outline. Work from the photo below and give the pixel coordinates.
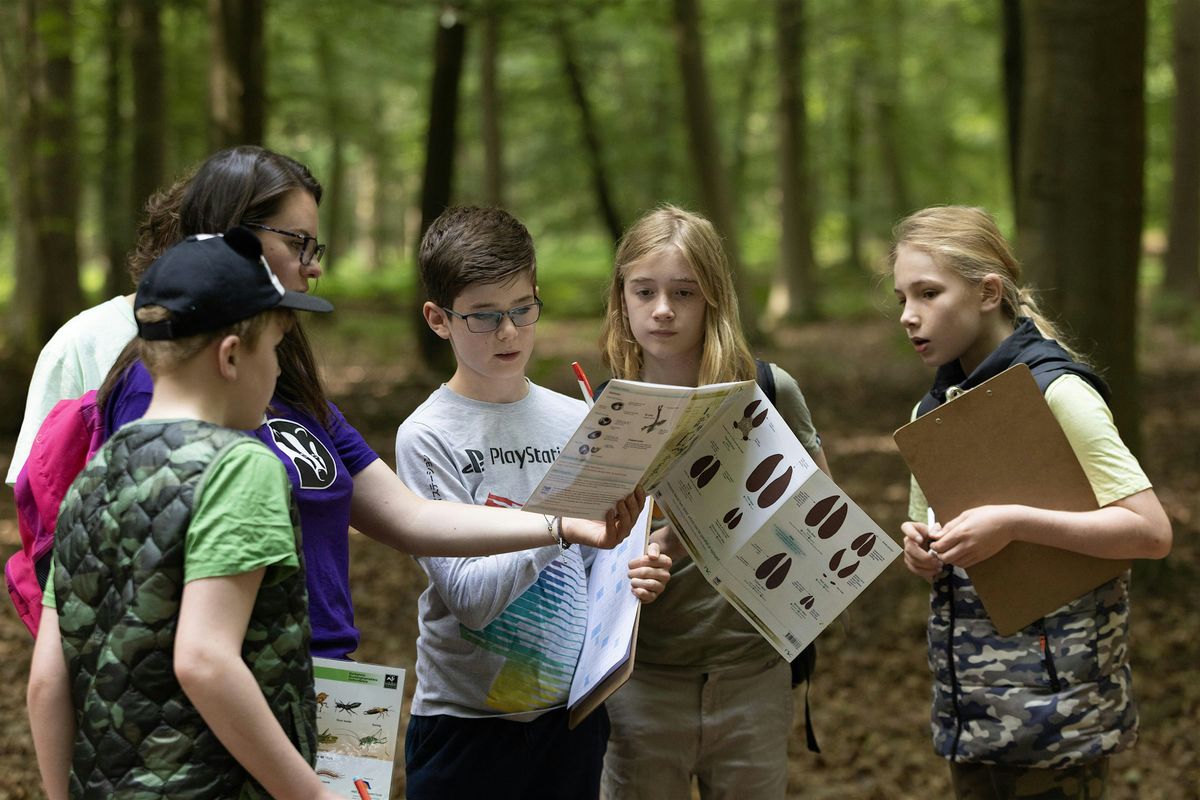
(765, 378)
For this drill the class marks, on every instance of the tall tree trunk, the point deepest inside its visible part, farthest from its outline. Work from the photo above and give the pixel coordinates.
(589, 130)
(745, 106)
(855, 205)
(883, 64)
(387, 209)
(437, 185)
(489, 107)
(118, 225)
(794, 290)
(336, 201)
(149, 104)
(236, 72)
(1082, 146)
(702, 138)
(1182, 279)
(1014, 81)
(47, 208)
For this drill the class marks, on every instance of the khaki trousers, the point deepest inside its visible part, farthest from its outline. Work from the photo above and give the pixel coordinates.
(730, 729)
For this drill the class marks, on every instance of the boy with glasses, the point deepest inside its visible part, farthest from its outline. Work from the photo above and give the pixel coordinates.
(499, 636)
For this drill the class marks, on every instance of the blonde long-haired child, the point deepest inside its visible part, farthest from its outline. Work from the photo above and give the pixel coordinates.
(708, 697)
(1041, 711)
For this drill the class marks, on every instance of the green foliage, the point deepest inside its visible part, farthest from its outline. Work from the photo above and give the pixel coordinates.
(922, 76)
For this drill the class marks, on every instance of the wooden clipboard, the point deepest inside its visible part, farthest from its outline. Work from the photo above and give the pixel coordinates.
(1000, 443)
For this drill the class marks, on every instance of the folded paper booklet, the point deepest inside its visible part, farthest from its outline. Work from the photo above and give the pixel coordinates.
(358, 725)
(606, 661)
(768, 529)
(1000, 443)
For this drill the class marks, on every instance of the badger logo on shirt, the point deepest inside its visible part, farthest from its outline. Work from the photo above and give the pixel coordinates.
(312, 459)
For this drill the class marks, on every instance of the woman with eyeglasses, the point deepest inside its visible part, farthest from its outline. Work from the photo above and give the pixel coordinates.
(337, 479)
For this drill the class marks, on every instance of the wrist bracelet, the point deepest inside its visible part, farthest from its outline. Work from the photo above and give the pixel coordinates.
(555, 529)
(562, 540)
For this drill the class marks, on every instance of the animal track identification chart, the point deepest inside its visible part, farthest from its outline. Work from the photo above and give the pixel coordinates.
(358, 725)
(771, 532)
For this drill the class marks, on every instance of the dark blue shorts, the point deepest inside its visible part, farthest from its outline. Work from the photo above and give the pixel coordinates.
(451, 757)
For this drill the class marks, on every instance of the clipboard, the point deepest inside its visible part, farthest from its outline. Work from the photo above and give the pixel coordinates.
(1000, 443)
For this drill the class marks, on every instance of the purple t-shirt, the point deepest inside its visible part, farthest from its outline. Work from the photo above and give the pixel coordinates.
(321, 464)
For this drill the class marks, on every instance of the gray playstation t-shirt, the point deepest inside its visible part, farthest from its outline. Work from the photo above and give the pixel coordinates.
(498, 634)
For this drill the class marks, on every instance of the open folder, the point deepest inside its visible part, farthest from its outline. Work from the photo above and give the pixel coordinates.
(1000, 443)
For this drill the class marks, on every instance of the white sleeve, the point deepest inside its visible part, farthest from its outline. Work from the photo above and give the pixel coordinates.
(57, 376)
(476, 590)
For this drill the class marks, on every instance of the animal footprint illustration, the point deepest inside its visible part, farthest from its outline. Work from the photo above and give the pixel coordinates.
(861, 546)
(773, 571)
(704, 469)
(833, 522)
(762, 477)
(732, 517)
(807, 601)
(751, 419)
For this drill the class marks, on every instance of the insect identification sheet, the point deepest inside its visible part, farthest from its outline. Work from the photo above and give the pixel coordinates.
(770, 531)
(358, 725)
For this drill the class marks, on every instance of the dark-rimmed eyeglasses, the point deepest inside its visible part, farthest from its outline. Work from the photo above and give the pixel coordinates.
(310, 248)
(488, 321)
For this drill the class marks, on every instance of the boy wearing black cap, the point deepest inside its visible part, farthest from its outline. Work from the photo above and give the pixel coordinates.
(172, 658)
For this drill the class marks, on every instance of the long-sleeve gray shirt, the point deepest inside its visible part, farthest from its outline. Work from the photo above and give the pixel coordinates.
(498, 634)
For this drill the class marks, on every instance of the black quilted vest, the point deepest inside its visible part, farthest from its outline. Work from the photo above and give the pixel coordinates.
(118, 582)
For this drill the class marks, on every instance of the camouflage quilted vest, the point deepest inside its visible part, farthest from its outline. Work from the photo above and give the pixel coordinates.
(118, 581)
(1057, 693)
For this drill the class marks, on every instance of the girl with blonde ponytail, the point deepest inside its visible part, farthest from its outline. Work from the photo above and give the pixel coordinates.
(708, 696)
(1038, 712)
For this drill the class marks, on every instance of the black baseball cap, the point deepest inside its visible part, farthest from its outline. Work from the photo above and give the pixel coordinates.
(209, 281)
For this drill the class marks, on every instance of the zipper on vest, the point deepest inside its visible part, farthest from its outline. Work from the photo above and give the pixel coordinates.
(1048, 657)
(954, 690)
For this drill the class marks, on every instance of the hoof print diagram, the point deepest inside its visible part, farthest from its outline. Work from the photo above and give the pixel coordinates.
(704, 469)
(832, 522)
(763, 476)
(751, 419)
(807, 602)
(773, 571)
(861, 546)
(732, 517)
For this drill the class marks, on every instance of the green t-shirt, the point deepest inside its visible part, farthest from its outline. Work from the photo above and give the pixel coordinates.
(1111, 469)
(240, 521)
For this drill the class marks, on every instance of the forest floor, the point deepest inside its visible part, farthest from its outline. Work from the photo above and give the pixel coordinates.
(870, 696)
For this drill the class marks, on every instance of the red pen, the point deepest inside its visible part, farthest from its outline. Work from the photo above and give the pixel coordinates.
(584, 386)
(363, 788)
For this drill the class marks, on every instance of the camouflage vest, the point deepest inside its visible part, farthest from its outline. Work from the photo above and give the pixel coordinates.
(1057, 693)
(118, 581)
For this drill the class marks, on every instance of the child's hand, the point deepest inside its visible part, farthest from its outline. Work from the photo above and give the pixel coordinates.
(648, 574)
(618, 522)
(976, 535)
(669, 543)
(918, 558)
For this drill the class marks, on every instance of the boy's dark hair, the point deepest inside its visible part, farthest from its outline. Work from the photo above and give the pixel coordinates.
(467, 245)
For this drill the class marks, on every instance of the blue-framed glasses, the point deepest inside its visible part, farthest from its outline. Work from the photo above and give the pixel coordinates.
(488, 321)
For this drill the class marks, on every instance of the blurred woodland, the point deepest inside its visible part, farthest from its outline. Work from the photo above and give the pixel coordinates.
(803, 128)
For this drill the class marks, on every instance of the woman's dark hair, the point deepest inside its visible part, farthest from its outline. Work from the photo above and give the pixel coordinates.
(232, 187)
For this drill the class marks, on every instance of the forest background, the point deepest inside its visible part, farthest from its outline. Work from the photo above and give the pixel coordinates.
(804, 128)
